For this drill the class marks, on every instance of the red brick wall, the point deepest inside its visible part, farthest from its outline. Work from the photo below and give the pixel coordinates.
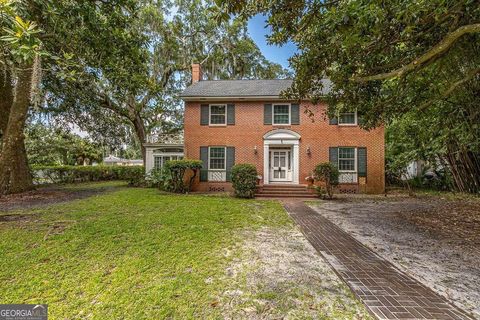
(315, 132)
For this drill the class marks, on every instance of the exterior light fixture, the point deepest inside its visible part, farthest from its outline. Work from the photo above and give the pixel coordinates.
(255, 150)
(309, 152)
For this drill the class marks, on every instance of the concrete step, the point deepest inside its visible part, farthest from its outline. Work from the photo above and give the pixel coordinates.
(285, 195)
(298, 186)
(284, 191)
(283, 187)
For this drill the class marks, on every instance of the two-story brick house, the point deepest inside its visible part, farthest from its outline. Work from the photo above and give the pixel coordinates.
(246, 121)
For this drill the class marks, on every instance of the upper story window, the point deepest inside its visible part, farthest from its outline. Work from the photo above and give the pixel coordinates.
(217, 159)
(218, 114)
(346, 159)
(347, 118)
(281, 114)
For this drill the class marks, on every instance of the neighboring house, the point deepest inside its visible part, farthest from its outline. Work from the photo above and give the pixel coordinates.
(116, 161)
(162, 148)
(414, 169)
(246, 121)
(423, 169)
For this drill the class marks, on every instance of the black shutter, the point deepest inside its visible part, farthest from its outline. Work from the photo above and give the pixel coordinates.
(230, 114)
(333, 156)
(204, 158)
(333, 121)
(362, 161)
(230, 161)
(295, 114)
(267, 114)
(204, 114)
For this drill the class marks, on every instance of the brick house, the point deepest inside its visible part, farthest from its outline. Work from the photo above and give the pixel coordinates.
(246, 121)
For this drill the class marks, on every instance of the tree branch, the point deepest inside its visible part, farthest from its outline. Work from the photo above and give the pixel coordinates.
(107, 103)
(434, 52)
(453, 87)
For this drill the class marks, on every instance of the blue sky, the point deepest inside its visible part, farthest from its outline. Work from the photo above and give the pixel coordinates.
(258, 29)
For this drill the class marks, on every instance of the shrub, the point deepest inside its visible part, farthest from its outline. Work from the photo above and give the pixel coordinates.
(134, 175)
(159, 178)
(244, 180)
(177, 170)
(328, 174)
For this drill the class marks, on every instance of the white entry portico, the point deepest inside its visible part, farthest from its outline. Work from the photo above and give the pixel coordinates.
(281, 156)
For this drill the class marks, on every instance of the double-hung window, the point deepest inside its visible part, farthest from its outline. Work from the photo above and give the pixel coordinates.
(218, 114)
(281, 114)
(217, 158)
(347, 160)
(347, 118)
(159, 161)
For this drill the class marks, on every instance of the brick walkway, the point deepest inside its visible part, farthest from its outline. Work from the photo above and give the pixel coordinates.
(387, 292)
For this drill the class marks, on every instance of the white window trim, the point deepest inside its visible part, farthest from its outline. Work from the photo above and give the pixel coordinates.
(163, 155)
(225, 160)
(348, 124)
(355, 160)
(289, 114)
(210, 115)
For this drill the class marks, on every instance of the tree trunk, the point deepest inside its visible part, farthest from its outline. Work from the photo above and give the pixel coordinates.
(141, 135)
(464, 167)
(6, 98)
(15, 175)
(139, 127)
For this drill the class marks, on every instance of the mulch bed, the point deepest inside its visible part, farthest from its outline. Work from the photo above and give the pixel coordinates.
(455, 220)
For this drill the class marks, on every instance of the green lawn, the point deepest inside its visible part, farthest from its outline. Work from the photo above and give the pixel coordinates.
(130, 253)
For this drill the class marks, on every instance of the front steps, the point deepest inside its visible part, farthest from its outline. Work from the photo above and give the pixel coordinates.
(284, 191)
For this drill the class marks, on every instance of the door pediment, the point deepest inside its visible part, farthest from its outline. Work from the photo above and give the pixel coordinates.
(281, 134)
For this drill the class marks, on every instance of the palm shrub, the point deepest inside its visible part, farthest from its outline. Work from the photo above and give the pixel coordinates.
(244, 180)
(328, 174)
(178, 169)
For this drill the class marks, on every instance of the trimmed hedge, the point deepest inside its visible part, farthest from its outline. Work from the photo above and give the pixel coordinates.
(135, 175)
(244, 180)
(178, 169)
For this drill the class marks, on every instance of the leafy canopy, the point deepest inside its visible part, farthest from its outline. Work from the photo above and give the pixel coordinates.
(384, 57)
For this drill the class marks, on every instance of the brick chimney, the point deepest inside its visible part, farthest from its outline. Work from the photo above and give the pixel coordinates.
(196, 73)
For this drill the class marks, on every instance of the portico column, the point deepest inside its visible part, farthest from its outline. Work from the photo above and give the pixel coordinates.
(266, 169)
(296, 163)
(149, 160)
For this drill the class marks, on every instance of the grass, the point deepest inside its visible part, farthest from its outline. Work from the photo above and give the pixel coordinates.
(91, 185)
(132, 254)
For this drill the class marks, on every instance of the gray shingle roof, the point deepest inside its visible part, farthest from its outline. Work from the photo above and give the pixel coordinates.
(236, 88)
(242, 88)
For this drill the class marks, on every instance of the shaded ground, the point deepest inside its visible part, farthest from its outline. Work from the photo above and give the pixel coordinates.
(47, 195)
(281, 276)
(434, 239)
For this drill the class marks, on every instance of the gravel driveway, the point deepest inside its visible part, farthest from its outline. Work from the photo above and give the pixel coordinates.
(433, 239)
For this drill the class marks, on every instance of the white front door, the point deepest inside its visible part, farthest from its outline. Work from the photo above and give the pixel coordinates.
(280, 165)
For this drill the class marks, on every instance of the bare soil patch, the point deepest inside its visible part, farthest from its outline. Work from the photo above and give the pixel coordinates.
(18, 217)
(281, 276)
(433, 239)
(45, 196)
